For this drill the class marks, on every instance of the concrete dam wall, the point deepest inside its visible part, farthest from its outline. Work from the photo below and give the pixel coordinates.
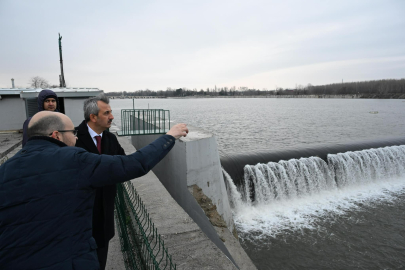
(192, 174)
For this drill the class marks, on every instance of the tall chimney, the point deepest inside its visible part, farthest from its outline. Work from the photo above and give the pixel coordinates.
(12, 83)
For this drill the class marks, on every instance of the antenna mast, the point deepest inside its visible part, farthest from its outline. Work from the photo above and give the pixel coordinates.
(62, 76)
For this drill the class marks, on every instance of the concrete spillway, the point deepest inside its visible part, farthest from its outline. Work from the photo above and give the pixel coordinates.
(234, 164)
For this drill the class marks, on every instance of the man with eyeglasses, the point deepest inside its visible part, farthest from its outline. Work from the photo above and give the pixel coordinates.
(74, 131)
(47, 194)
(93, 136)
(47, 101)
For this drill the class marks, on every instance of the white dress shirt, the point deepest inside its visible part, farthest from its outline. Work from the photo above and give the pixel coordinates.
(94, 134)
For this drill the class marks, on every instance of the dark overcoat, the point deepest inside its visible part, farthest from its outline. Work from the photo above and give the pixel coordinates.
(103, 212)
(46, 201)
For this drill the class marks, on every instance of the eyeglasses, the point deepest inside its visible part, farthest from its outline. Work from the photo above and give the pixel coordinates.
(74, 131)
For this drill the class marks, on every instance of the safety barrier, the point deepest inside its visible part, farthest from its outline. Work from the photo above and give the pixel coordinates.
(144, 122)
(141, 245)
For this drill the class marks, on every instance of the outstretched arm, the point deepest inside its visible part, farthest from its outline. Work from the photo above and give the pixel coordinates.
(104, 170)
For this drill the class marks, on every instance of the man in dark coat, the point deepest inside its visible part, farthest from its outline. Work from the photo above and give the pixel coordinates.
(47, 193)
(47, 101)
(98, 118)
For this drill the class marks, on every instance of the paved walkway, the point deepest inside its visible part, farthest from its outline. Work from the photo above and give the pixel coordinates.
(115, 259)
(8, 143)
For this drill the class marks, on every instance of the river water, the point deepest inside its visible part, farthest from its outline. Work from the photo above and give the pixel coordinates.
(347, 214)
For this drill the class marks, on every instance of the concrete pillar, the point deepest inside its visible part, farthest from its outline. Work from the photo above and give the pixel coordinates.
(194, 160)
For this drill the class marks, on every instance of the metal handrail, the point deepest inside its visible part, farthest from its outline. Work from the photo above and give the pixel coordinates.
(144, 122)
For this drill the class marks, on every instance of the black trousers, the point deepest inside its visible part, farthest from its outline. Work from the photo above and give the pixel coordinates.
(102, 256)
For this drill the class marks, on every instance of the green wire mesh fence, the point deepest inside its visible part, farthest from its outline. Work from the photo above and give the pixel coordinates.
(141, 245)
(144, 122)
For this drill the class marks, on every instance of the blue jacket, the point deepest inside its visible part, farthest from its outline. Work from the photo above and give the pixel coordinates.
(44, 94)
(46, 201)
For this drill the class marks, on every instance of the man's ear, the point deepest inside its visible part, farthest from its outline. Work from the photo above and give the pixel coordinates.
(55, 134)
(93, 118)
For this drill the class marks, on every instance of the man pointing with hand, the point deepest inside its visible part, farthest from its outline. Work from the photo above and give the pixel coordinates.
(47, 194)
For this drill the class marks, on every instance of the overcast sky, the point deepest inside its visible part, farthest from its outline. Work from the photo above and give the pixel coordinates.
(133, 45)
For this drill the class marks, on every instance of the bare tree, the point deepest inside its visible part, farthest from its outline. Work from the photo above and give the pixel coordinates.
(39, 82)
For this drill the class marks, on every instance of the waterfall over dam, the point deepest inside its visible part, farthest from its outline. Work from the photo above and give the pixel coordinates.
(234, 164)
(294, 178)
(309, 204)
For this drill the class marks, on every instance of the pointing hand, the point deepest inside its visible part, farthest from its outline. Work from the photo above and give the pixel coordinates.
(179, 130)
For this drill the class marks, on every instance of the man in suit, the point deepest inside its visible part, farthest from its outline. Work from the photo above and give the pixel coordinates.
(94, 137)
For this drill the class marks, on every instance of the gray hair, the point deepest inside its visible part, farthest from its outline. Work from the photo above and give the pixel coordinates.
(90, 105)
(45, 125)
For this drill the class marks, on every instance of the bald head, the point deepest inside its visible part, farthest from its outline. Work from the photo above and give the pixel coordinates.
(47, 123)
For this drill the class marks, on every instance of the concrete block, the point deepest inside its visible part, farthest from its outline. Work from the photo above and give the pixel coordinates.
(194, 160)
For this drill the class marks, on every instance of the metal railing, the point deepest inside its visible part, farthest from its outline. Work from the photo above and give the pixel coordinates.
(141, 245)
(144, 122)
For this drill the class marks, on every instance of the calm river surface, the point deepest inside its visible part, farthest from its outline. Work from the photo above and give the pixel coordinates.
(266, 123)
(358, 227)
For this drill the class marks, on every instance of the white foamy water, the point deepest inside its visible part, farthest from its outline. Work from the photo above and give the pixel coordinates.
(296, 194)
(233, 193)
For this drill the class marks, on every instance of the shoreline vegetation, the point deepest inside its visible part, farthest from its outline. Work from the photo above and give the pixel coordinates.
(380, 89)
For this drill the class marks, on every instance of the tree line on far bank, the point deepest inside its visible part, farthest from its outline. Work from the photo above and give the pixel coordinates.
(389, 88)
(378, 88)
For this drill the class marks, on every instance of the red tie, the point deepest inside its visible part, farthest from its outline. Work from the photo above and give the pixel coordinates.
(98, 139)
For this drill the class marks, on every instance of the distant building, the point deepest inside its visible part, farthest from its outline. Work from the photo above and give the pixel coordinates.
(17, 104)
